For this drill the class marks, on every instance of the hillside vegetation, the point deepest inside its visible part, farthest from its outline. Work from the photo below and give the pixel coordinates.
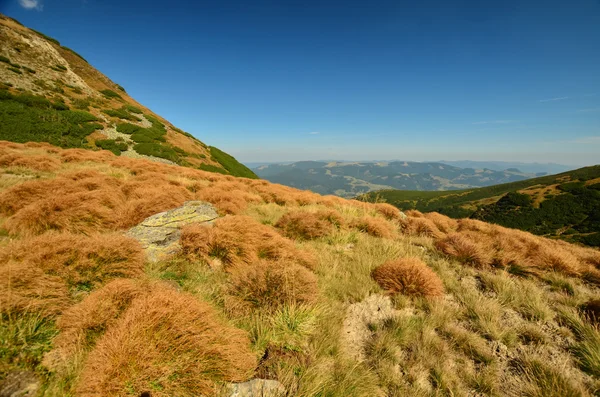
(49, 93)
(349, 179)
(565, 206)
(330, 297)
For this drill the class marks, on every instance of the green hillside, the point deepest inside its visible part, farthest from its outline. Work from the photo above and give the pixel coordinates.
(565, 205)
(48, 93)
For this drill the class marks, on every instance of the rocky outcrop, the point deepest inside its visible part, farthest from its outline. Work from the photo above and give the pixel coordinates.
(355, 330)
(159, 234)
(20, 384)
(256, 388)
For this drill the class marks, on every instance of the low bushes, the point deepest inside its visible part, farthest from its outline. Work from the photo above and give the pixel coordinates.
(112, 145)
(110, 94)
(408, 276)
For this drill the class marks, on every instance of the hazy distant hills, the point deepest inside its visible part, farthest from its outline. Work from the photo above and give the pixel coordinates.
(535, 168)
(565, 206)
(348, 179)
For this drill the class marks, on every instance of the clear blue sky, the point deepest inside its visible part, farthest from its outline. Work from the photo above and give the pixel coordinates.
(299, 80)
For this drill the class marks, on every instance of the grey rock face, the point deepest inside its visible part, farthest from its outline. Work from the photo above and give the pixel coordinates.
(20, 384)
(159, 234)
(256, 388)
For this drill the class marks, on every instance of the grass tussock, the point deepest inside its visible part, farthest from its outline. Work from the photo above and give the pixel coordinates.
(303, 225)
(388, 211)
(408, 276)
(421, 226)
(466, 249)
(374, 226)
(240, 240)
(270, 285)
(79, 261)
(167, 343)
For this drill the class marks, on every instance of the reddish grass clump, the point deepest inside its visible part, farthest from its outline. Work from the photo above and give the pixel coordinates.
(271, 284)
(38, 163)
(466, 248)
(26, 288)
(307, 225)
(77, 259)
(442, 222)
(240, 240)
(374, 226)
(408, 276)
(80, 324)
(167, 341)
(421, 226)
(388, 211)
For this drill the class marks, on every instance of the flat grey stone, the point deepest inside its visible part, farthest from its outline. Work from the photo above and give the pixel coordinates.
(159, 234)
(256, 388)
(20, 384)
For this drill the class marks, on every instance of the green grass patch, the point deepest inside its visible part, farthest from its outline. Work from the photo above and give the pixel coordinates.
(25, 117)
(212, 168)
(110, 94)
(156, 150)
(4, 59)
(15, 70)
(132, 109)
(232, 166)
(112, 145)
(121, 114)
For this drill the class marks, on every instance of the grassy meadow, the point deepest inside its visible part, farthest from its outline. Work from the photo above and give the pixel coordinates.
(331, 297)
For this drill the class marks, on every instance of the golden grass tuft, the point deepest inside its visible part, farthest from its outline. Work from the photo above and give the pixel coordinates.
(421, 226)
(388, 211)
(80, 324)
(467, 249)
(25, 288)
(442, 222)
(240, 240)
(270, 285)
(303, 225)
(38, 163)
(79, 260)
(408, 276)
(170, 343)
(374, 226)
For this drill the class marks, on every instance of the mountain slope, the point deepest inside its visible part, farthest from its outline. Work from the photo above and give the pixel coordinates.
(565, 205)
(49, 93)
(327, 296)
(348, 179)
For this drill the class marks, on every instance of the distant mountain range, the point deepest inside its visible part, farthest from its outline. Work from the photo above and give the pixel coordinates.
(565, 206)
(535, 168)
(348, 179)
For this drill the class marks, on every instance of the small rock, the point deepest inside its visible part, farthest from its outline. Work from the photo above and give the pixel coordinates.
(256, 388)
(20, 384)
(159, 234)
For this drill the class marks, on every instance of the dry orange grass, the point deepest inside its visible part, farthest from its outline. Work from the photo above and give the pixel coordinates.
(38, 163)
(408, 276)
(468, 249)
(82, 323)
(240, 240)
(227, 199)
(413, 213)
(421, 226)
(168, 342)
(442, 222)
(388, 211)
(267, 284)
(76, 259)
(302, 225)
(26, 288)
(374, 226)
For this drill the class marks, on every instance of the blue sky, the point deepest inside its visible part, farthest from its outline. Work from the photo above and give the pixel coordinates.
(300, 80)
